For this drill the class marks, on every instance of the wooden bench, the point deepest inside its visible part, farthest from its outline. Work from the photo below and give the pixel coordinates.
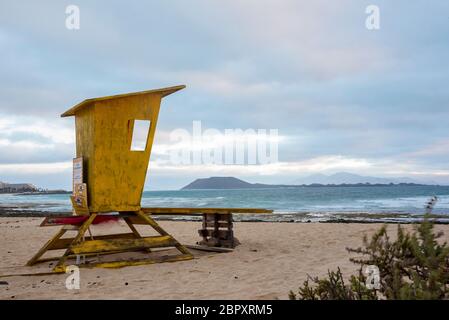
(217, 227)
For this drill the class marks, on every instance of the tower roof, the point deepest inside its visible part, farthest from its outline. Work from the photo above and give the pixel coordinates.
(163, 91)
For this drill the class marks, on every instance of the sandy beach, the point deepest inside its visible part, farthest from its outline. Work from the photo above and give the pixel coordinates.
(272, 259)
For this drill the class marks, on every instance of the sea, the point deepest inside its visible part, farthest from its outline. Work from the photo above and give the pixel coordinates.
(291, 204)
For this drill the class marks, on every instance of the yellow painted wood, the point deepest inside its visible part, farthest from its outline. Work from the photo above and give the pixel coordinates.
(137, 221)
(73, 256)
(163, 91)
(115, 264)
(104, 128)
(71, 227)
(113, 243)
(84, 124)
(90, 246)
(161, 231)
(134, 230)
(149, 220)
(65, 243)
(60, 267)
(46, 247)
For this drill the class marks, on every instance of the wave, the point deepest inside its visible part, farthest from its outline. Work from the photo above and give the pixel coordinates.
(308, 204)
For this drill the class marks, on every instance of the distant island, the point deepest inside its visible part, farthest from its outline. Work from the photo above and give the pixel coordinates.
(26, 189)
(351, 178)
(235, 183)
(17, 187)
(218, 183)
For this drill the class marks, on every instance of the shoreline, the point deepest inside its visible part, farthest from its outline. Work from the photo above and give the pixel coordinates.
(358, 218)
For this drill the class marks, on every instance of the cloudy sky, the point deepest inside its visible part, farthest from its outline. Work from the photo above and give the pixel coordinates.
(343, 98)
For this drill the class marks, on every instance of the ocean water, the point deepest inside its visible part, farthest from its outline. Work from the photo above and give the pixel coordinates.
(382, 203)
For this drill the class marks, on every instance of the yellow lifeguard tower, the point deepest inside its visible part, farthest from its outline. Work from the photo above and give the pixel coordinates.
(109, 177)
(105, 128)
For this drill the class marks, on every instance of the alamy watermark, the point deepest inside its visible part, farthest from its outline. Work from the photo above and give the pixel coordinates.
(229, 147)
(72, 282)
(372, 275)
(372, 22)
(72, 20)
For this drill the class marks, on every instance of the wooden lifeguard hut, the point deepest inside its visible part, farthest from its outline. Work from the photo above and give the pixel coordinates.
(109, 175)
(106, 129)
(108, 179)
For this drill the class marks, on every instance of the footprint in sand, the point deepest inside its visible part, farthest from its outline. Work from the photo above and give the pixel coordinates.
(199, 271)
(94, 284)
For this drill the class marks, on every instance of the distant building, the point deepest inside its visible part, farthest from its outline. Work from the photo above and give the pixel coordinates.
(17, 187)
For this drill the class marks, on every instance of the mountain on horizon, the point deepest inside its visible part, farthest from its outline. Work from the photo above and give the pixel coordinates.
(218, 183)
(341, 178)
(351, 178)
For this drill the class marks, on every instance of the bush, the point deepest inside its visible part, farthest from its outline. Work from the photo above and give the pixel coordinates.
(414, 266)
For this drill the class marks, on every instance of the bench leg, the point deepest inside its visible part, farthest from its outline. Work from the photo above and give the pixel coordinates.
(211, 233)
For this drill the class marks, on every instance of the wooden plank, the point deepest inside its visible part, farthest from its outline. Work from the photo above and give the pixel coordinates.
(134, 230)
(73, 256)
(60, 266)
(204, 224)
(137, 220)
(163, 91)
(83, 228)
(76, 220)
(213, 224)
(231, 233)
(216, 232)
(46, 247)
(71, 227)
(152, 223)
(219, 217)
(89, 246)
(64, 243)
(222, 234)
(161, 231)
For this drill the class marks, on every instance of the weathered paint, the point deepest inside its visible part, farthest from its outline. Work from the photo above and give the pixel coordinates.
(110, 244)
(106, 245)
(115, 175)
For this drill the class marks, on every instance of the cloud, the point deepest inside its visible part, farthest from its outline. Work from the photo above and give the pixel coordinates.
(309, 69)
(36, 168)
(434, 149)
(25, 139)
(282, 168)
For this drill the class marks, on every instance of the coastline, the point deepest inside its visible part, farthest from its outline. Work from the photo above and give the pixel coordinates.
(331, 205)
(300, 217)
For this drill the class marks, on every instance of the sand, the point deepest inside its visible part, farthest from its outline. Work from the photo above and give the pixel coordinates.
(272, 259)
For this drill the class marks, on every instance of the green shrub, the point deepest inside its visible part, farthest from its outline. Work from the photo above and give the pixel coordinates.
(414, 266)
